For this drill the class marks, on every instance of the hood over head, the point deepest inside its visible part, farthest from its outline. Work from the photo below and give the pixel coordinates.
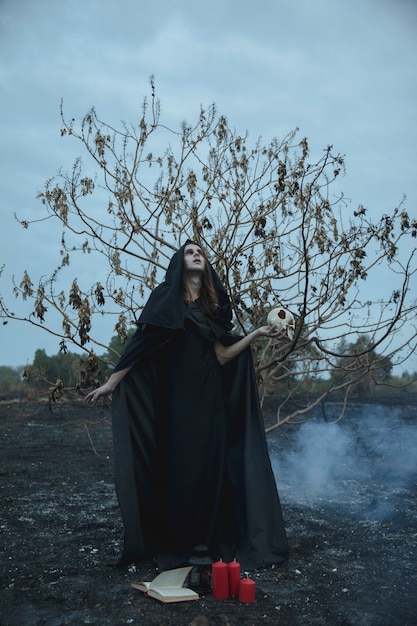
(165, 307)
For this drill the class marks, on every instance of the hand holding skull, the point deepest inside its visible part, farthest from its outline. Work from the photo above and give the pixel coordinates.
(283, 321)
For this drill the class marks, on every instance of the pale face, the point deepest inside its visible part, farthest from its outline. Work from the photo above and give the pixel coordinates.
(193, 258)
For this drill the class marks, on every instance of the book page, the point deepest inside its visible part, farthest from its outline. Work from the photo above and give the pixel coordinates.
(171, 579)
(142, 586)
(173, 594)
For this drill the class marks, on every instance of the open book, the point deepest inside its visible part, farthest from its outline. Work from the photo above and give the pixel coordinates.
(168, 586)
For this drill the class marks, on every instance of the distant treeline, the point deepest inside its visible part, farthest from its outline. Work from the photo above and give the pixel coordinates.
(78, 372)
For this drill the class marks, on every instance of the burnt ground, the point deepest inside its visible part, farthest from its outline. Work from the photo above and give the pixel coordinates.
(61, 535)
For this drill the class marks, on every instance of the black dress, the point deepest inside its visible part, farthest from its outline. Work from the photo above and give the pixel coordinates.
(191, 462)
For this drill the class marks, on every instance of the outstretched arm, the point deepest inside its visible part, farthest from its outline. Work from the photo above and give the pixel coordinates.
(108, 387)
(225, 354)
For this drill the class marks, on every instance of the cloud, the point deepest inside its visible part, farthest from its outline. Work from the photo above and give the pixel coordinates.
(342, 73)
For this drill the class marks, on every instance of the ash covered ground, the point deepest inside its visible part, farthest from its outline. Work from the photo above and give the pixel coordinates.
(349, 497)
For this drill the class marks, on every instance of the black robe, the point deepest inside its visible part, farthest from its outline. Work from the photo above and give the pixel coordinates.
(191, 461)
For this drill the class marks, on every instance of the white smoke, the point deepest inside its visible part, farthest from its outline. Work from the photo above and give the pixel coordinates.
(366, 462)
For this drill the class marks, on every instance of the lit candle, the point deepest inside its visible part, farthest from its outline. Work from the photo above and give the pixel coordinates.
(234, 578)
(247, 590)
(220, 580)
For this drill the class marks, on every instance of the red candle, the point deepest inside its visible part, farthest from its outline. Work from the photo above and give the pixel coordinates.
(247, 589)
(220, 580)
(234, 578)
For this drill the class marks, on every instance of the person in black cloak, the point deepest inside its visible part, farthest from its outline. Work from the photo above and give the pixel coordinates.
(191, 462)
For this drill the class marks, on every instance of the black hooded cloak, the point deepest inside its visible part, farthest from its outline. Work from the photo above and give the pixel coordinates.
(191, 461)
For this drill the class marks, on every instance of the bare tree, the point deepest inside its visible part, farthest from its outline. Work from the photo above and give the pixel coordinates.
(275, 231)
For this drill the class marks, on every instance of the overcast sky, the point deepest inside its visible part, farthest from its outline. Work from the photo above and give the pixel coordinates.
(343, 71)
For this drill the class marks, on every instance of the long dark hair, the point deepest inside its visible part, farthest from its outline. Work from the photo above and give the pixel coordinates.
(208, 295)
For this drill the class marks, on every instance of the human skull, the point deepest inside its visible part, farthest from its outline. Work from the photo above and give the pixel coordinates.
(283, 320)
